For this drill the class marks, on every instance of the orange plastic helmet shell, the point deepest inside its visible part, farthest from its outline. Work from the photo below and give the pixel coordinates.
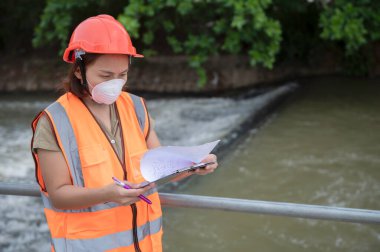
(100, 34)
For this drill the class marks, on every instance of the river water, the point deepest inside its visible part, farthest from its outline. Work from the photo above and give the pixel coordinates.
(323, 147)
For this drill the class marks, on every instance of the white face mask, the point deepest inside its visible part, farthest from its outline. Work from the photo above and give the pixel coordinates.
(107, 92)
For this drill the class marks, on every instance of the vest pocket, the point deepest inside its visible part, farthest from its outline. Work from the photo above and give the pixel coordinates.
(92, 155)
(91, 225)
(96, 166)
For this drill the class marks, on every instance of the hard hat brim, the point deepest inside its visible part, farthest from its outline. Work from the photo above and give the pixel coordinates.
(69, 58)
(100, 34)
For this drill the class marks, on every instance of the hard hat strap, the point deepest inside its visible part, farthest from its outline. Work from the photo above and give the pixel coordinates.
(82, 69)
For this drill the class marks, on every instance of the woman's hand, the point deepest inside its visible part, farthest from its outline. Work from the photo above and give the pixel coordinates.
(122, 196)
(209, 168)
(200, 171)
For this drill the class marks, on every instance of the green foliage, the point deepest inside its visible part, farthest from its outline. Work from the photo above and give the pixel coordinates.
(265, 30)
(356, 24)
(55, 18)
(60, 16)
(201, 29)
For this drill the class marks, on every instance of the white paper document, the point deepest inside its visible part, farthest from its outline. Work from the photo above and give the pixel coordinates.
(167, 160)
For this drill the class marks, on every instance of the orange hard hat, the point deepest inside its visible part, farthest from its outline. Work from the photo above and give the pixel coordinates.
(100, 34)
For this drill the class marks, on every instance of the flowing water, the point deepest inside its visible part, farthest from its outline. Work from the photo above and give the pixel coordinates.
(323, 148)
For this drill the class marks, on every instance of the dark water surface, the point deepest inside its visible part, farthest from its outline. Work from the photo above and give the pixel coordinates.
(322, 148)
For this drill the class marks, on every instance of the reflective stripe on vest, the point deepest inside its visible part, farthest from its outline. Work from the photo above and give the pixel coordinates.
(108, 242)
(139, 109)
(69, 143)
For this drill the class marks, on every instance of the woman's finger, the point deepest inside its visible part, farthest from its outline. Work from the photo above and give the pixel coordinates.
(210, 158)
(212, 166)
(134, 192)
(133, 185)
(203, 171)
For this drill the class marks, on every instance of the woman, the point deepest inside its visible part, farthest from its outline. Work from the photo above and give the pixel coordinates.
(90, 134)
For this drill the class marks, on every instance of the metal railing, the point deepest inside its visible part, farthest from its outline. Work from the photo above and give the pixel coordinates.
(238, 205)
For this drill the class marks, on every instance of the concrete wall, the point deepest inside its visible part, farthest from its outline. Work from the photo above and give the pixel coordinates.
(164, 73)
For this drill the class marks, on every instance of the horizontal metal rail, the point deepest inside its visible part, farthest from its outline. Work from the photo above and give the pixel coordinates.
(239, 205)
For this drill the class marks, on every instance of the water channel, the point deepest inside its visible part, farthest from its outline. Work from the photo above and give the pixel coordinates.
(322, 147)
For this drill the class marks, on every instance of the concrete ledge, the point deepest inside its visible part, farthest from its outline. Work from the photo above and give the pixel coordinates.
(160, 74)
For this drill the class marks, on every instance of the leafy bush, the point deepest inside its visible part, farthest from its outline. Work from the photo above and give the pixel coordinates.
(200, 29)
(59, 18)
(257, 28)
(356, 24)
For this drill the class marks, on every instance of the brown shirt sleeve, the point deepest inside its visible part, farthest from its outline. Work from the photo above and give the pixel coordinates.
(44, 137)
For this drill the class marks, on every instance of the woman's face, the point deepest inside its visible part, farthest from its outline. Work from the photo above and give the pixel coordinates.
(106, 67)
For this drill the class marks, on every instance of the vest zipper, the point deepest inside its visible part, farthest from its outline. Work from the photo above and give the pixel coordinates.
(133, 206)
(123, 165)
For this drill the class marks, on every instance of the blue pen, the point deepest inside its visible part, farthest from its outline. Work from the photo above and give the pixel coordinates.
(125, 186)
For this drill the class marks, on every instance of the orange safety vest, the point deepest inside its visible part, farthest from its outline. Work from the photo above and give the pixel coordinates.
(92, 161)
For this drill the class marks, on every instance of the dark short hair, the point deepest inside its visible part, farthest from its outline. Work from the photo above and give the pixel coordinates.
(72, 83)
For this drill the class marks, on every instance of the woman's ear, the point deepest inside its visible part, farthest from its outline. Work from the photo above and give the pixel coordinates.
(78, 74)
